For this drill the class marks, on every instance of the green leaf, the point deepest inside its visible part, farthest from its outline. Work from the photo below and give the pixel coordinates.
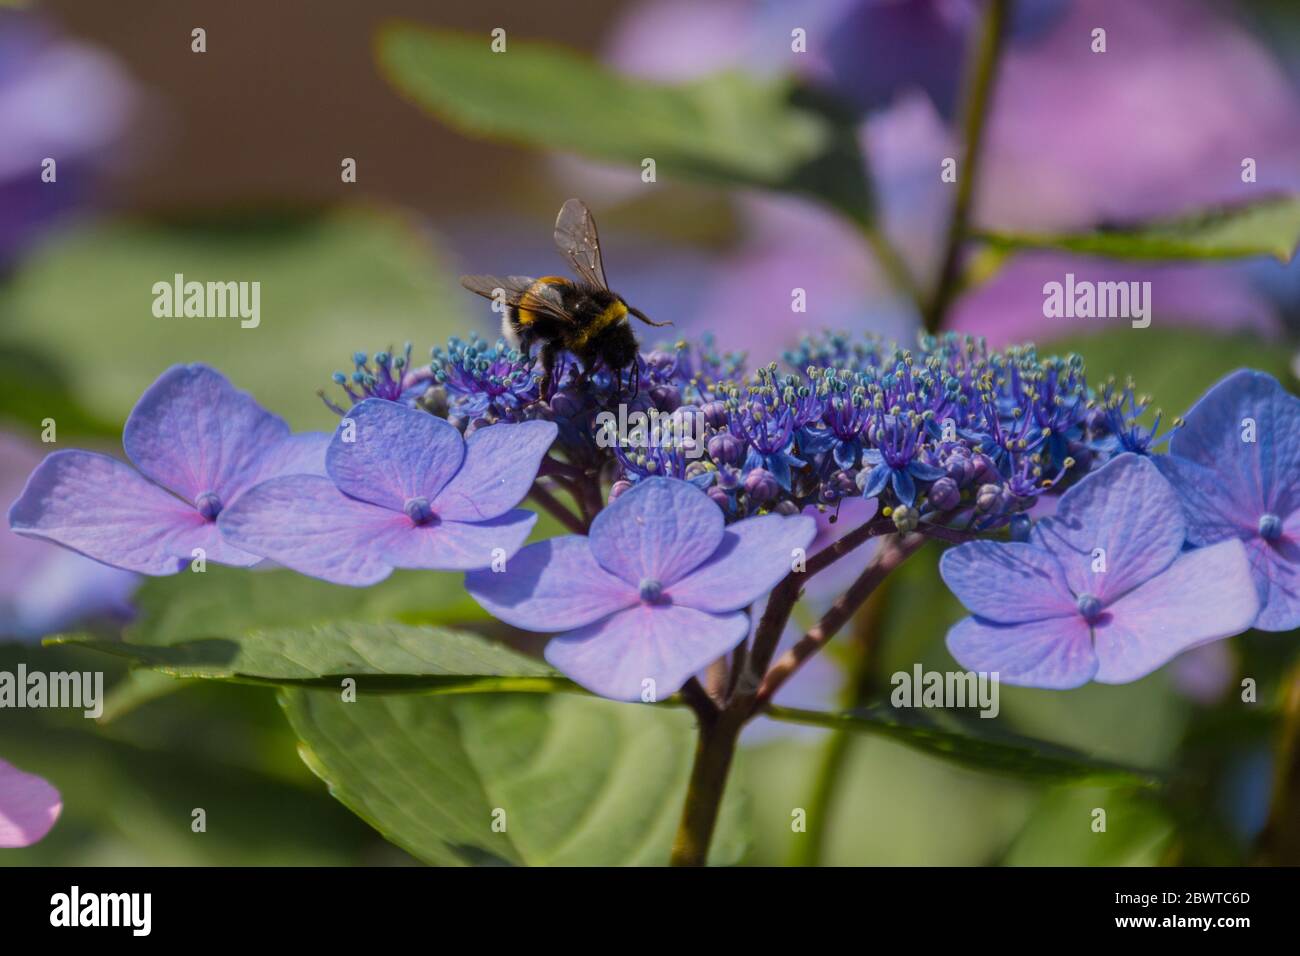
(231, 602)
(1270, 227)
(893, 806)
(965, 741)
(331, 284)
(413, 657)
(730, 128)
(37, 389)
(1060, 831)
(576, 780)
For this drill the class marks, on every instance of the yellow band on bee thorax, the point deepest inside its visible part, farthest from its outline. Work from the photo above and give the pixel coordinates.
(613, 312)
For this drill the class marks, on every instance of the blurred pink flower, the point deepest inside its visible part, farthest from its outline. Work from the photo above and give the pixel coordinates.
(28, 807)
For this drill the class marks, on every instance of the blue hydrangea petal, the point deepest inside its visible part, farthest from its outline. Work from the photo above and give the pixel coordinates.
(925, 472)
(397, 453)
(1264, 475)
(1055, 654)
(1007, 582)
(1126, 509)
(305, 523)
(1275, 567)
(550, 586)
(666, 644)
(106, 510)
(754, 555)
(847, 454)
(904, 486)
(1205, 595)
(500, 464)
(193, 432)
(1211, 512)
(872, 456)
(662, 528)
(876, 480)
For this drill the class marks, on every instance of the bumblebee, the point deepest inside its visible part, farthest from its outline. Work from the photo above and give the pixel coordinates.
(582, 316)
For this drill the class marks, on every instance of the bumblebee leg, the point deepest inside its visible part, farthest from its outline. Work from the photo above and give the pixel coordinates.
(646, 319)
(548, 372)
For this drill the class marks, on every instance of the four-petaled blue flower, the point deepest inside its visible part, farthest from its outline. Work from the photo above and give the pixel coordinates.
(1101, 591)
(654, 593)
(404, 490)
(199, 444)
(1236, 467)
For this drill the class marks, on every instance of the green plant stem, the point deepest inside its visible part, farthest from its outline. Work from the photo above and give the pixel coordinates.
(556, 508)
(979, 89)
(866, 633)
(714, 751)
(893, 552)
(718, 733)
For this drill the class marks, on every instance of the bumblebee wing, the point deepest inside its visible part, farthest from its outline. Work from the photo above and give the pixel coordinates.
(522, 291)
(577, 239)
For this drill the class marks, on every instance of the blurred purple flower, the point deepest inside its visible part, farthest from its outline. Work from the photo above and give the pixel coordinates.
(60, 100)
(29, 806)
(1236, 468)
(43, 588)
(1102, 591)
(1168, 89)
(881, 48)
(655, 593)
(197, 444)
(404, 491)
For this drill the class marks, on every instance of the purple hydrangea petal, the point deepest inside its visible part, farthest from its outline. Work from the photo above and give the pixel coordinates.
(667, 644)
(1209, 508)
(397, 453)
(1205, 595)
(29, 805)
(193, 432)
(553, 585)
(1055, 654)
(660, 529)
(1275, 566)
(104, 509)
(305, 523)
(500, 464)
(457, 545)
(1007, 582)
(1128, 510)
(1261, 476)
(301, 454)
(754, 555)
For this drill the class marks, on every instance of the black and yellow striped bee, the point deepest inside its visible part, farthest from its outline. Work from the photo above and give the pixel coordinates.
(579, 315)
